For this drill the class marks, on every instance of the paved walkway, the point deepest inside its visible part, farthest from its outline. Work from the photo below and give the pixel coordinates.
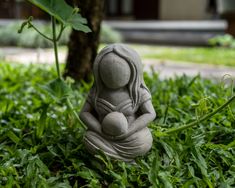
(166, 68)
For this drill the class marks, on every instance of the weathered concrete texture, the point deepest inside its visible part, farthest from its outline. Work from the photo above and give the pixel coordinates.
(118, 108)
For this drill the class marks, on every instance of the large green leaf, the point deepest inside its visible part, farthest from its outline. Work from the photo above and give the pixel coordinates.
(64, 13)
(57, 89)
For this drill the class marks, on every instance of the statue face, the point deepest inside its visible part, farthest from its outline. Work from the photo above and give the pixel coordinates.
(114, 71)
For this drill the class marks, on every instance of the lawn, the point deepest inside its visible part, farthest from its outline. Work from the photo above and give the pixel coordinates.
(215, 56)
(41, 142)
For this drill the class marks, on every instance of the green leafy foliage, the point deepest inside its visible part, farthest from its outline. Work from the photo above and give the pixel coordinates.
(41, 142)
(108, 35)
(58, 89)
(226, 41)
(63, 13)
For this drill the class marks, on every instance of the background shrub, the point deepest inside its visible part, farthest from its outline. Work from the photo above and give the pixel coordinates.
(226, 41)
(109, 35)
(30, 38)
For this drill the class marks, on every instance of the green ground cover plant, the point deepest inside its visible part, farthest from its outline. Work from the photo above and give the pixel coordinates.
(41, 141)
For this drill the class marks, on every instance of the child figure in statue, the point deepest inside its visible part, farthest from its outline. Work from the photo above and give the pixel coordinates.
(118, 108)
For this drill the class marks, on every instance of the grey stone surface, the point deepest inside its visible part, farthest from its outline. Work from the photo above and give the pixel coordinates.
(169, 32)
(118, 107)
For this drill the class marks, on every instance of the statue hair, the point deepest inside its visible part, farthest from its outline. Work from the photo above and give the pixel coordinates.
(132, 58)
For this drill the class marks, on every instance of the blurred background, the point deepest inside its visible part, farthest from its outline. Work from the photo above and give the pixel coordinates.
(181, 22)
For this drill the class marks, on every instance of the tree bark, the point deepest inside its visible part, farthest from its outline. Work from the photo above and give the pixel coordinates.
(82, 47)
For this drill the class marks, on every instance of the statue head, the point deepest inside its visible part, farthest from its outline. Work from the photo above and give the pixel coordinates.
(114, 71)
(117, 66)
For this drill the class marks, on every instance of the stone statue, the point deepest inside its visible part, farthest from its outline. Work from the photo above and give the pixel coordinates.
(118, 107)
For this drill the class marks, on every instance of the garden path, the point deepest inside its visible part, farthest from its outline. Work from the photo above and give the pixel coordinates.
(166, 68)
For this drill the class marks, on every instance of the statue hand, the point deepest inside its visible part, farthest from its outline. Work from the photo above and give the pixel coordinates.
(113, 138)
(129, 132)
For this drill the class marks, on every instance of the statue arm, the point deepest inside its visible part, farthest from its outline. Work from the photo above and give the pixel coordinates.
(89, 119)
(148, 114)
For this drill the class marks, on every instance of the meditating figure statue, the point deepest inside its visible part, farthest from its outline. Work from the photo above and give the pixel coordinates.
(118, 107)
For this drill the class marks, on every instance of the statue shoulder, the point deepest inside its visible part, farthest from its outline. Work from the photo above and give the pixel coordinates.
(144, 95)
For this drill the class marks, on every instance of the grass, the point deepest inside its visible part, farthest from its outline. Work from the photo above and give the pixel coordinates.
(41, 142)
(215, 56)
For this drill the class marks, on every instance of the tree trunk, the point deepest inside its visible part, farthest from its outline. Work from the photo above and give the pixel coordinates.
(82, 47)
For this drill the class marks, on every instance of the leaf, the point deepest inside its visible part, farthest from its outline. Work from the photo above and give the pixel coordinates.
(105, 159)
(52, 150)
(85, 175)
(13, 137)
(58, 89)
(42, 166)
(153, 173)
(30, 169)
(168, 149)
(163, 176)
(64, 13)
(42, 121)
